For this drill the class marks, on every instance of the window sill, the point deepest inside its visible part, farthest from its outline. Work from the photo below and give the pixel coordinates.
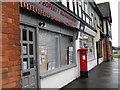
(57, 70)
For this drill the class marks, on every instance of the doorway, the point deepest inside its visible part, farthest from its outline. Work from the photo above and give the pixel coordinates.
(28, 57)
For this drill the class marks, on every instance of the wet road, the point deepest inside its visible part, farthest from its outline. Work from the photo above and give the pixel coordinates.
(104, 75)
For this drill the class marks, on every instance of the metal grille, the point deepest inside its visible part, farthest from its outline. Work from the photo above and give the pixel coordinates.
(57, 45)
(50, 40)
(65, 43)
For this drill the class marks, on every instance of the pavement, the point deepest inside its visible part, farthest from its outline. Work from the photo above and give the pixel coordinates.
(104, 75)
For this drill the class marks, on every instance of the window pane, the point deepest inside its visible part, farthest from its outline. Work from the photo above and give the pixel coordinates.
(25, 64)
(24, 49)
(48, 50)
(24, 34)
(88, 43)
(66, 50)
(31, 63)
(30, 36)
(31, 49)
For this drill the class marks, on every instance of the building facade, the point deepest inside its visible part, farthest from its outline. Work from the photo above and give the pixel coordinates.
(107, 20)
(40, 42)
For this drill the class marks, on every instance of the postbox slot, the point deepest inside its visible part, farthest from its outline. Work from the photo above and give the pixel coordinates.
(83, 52)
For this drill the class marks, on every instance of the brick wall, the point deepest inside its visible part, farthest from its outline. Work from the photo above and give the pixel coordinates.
(105, 53)
(10, 36)
(107, 50)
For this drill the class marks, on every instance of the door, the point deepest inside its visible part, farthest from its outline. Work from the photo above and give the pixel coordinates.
(28, 58)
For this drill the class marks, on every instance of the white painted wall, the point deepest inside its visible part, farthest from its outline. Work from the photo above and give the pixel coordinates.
(104, 25)
(60, 79)
(92, 64)
(100, 60)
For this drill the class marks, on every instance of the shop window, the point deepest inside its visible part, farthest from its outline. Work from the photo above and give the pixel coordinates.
(55, 50)
(88, 43)
(66, 50)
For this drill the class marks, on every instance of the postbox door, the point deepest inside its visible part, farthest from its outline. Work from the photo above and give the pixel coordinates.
(83, 62)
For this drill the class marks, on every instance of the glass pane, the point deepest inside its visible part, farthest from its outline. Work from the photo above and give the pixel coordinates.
(24, 49)
(24, 34)
(25, 64)
(30, 36)
(88, 43)
(48, 50)
(66, 50)
(31, 49)
(31, 63)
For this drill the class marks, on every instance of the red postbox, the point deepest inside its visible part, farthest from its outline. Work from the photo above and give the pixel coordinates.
(83, 62)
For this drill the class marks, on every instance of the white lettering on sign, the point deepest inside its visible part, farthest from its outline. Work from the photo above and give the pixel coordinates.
(83, 57)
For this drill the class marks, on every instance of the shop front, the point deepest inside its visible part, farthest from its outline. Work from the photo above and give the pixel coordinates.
(48, 44)
(86, 39)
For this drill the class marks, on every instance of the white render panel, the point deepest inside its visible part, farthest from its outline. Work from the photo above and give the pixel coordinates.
(60, 79)
(92, 64)
(104, 23)
(100, 60)
(89, 31)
